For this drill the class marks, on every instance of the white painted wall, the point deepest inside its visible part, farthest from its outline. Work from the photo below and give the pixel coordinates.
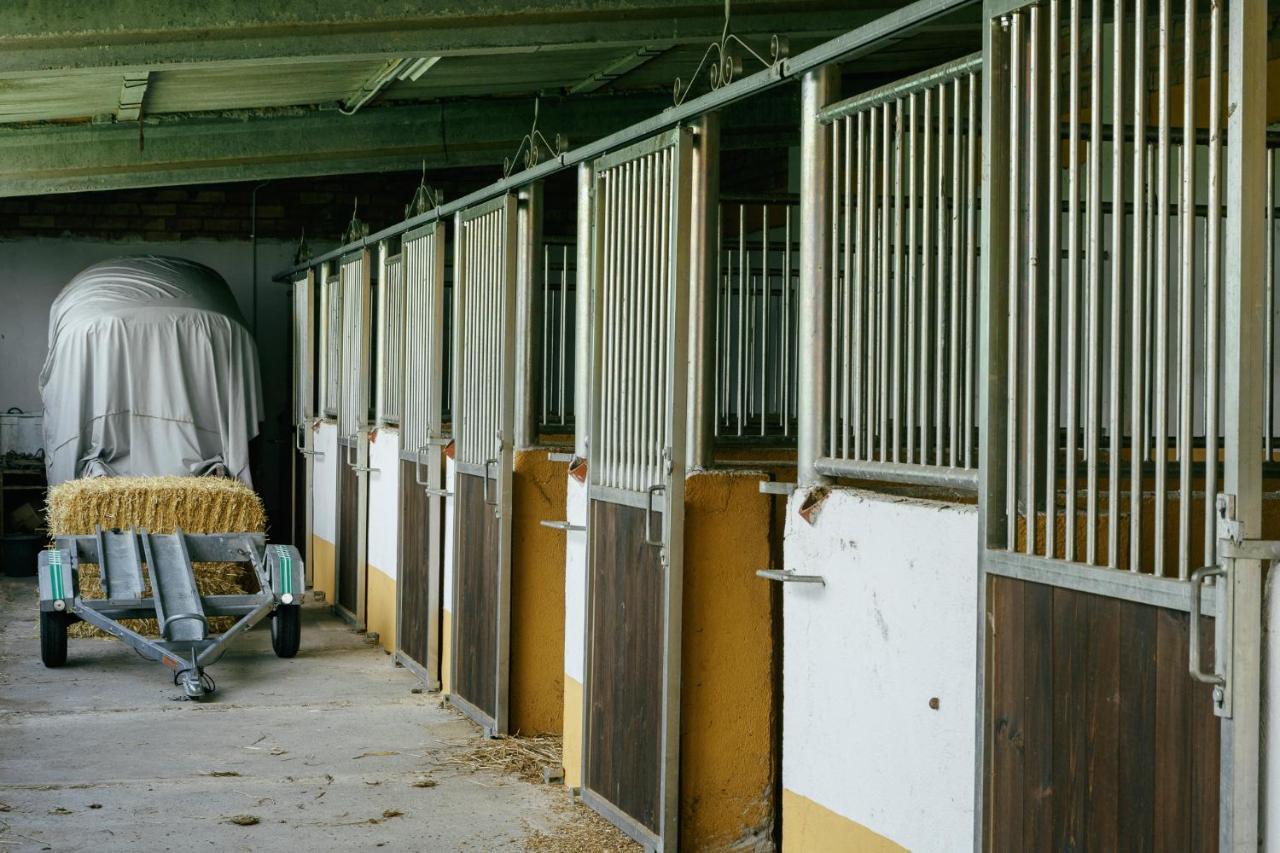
(894, 626)
(1270, 805)
(575, 582)
(449, 485)
(324, 493)
(384, 501)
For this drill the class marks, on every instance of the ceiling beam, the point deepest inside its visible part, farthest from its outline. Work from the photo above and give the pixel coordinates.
(39, 38)
(77, 158)
(618, 67)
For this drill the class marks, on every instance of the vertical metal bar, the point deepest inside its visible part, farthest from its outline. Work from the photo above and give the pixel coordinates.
(886, 202)
(1014, 250)
(971, 267)
(838, 286)
(1032, 275)
(954, 249)
(1269, 301)
(741, 383)
(1117, 277)
(1093, 339)
(940, 301)
(1161, 411)
(764, 336)
(1054, 285)
(1073, 274)
(895, 413)
(926, 275)
(1187, 221)
(704, 212)
(859, 241)
(851, 282)
(786, 324)
(913, 207)
(873, 280)
(548, 382)
(1240, 636)
(562, 382)
(1213, 276)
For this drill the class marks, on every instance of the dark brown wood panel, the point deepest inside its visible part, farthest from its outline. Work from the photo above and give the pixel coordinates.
(1097, 739)
(624, 701)
(415, 570)
(476, 680)
(348, 534)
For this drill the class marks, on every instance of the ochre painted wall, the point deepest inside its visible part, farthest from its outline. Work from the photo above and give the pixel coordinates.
(380, 605)
(812, 828)
(537, 594)
(322, 563)
(730, 675)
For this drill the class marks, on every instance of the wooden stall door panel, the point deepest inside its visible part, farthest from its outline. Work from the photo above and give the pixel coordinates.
(625, 682)
(1098, 738)
(415, 568)
(348, 534)
(477, 580)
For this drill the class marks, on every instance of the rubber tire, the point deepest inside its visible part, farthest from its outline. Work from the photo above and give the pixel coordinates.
(53, 638)
(286, 630)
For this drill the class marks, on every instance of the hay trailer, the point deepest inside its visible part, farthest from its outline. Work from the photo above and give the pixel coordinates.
(185, 644)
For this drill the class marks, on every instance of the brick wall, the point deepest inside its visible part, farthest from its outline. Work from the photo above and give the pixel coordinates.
(222, 211)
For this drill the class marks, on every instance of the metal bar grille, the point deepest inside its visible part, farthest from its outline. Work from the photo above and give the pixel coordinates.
(1115, 283)
(559, 292)
(331, 362)
(636, 204)
(905, 180)
(391, 325)
(424, 329)
(756, 306)
(354, 409)
(484, 251)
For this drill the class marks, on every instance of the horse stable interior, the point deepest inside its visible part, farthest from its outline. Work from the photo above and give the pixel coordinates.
(826, 424)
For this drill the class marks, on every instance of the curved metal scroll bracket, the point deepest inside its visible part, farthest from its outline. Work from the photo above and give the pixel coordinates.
(533, 145)
(727, 62)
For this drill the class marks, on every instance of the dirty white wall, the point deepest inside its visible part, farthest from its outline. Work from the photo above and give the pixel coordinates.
(446, 602)
(324, 506)
(384, 501)
(867, 763)
(575, 620)
(383, 553)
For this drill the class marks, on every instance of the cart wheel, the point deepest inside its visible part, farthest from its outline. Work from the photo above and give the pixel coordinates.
(53, 638)
(286, 630)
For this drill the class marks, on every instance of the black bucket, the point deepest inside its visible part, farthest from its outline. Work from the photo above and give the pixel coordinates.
(19, 553)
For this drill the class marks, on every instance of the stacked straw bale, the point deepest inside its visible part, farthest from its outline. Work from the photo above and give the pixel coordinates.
(159, 505)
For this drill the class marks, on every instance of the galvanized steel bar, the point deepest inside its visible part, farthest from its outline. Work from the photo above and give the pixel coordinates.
(1161, 399)
(1072, 400)
(1014, 249)
(1032, 275)
(1186, 308)
(1093, 338)
(818, 88)
(1053, 250)
(1213, 284)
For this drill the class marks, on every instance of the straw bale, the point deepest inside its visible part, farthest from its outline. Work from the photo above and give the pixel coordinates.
(159, 505)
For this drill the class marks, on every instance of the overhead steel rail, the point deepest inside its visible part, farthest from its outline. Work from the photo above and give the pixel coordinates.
(864, 39)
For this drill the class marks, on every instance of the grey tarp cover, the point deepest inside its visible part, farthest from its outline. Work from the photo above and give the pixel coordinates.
(150, 371)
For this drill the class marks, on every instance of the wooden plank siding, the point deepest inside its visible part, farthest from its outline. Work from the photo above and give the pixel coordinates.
(624, 725)
(1097, 738)
(476, 679)
(348, 533)
(415, 570)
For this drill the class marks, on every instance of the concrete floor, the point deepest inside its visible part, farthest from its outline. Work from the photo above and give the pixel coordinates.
(99, 755)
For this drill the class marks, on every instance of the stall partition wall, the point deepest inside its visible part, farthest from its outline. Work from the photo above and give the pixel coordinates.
(636, 466)
(325, 461)
(484, 436)
(887, 393)
(304, 345)
(422, 487)
(353, 437)
(1123, 425)
(383, 563)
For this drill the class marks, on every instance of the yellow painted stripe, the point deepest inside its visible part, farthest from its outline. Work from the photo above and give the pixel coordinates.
(380, 606)
(808, 827)
(572, 747)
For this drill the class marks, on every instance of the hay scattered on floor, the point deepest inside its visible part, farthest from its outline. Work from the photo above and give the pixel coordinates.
(582, 831)
(519, 756)
(159, 505)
